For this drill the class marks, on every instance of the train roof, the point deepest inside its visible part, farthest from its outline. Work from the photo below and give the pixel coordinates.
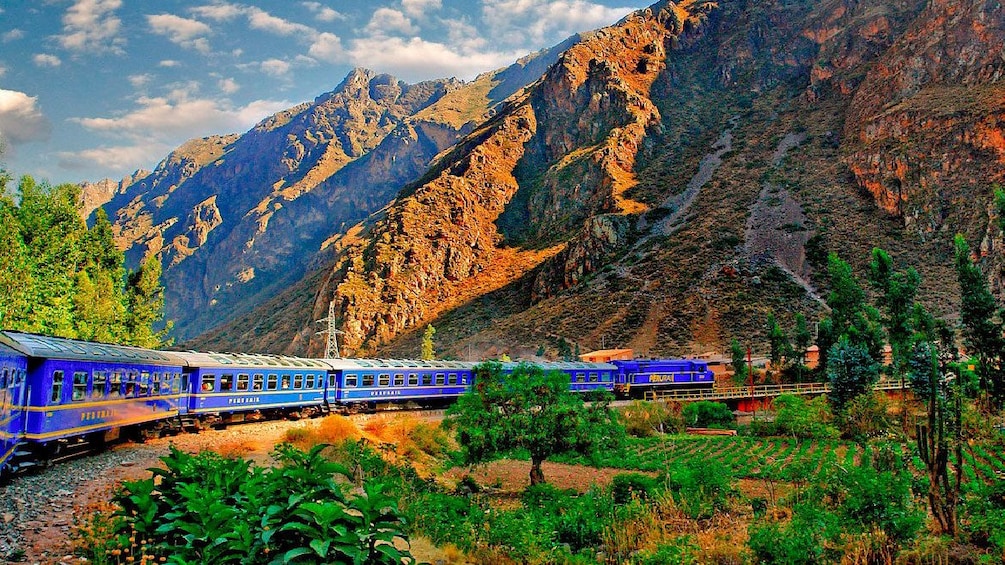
(564, 365)
(7, 351)
(404, 364)
(33, 345)
(214, 360)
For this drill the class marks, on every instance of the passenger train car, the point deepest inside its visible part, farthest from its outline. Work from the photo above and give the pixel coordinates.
(57, 394)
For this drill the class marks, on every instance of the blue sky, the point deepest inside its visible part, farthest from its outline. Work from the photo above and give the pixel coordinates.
(91, 89)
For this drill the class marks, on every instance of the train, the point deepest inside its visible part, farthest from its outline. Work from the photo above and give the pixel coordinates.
(58, 395)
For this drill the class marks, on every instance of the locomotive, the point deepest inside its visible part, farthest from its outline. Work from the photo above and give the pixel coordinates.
(58, 395)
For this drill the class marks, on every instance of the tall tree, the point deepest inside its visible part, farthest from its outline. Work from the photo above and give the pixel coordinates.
(529, 409)
(738, 359)
(427, 353)
(851, 315)
(801, 340)
(778, 342)
(145, 296)
(851, 371)
(16, 282)
(897, 293)
(982, 323)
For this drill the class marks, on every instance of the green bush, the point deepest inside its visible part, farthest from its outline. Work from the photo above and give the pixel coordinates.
(208, 509)
(797, 417)
(984, 506)
(681, 551)
(628, 485)
(702, 488)
(647, 419)
(804, 540)
(706, 414)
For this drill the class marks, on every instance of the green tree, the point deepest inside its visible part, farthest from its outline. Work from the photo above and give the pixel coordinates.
(564, 350)
(16, 280)
(982, 323)
(778, 342)
(801, 340)
(738, 359)
(145, 297)
(851, 315)
(427, 343)
(897, 293)
(851, 372)
(529, 409)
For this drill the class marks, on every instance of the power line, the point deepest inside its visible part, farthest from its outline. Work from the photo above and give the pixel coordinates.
(331, 344)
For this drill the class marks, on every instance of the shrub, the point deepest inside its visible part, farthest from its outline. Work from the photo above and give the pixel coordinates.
(682, 551)
(801, 541)
(645, 419)
(796, 417)
(628, 485)
(866, 417)
(702, 488)
(431, 440)
(208, 509)
(706, 414)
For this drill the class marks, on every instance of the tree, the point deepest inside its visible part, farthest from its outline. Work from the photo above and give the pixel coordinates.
(897, 300)
(427, 343)
(801, 340)
(941, 434)
(778, 342)
(529, 409)
(738, 358)
(850, 314)
(851, 372)
(564, 350)
(145, 296)
(982, 323)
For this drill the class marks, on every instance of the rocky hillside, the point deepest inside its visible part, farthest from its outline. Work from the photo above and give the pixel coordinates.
(674, 177)
(237, 218)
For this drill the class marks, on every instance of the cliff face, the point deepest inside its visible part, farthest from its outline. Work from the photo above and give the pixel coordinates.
(678, 175)
(235, 218)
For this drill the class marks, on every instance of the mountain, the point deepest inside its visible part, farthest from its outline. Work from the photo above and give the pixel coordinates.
(673, 178)
(237, 218)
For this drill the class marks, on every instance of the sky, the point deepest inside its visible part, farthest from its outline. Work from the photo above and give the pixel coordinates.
(93, 89)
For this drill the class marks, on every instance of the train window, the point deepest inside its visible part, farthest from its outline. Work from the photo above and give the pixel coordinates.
(580, 377)
(144, 384)
(115, 385)
(98, 387)
(593, 377)
(452, 379)
(272, 383)
(605, 377)
(129, 385)
(399, 379)
(331, 381)
(351, 380)
(3, 378)
(298, 381)
(367, 379)
(208, 383)
(427, 379)
(413, 379)
(310, 380)
(257, 381)
(226, 383)
(439, 378)
(57, 386)
(242, 381)
(184, 382)
(285, 382)
(384, 379)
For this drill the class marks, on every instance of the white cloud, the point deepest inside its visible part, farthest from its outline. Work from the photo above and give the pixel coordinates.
(178, 116)
(220, 11)
(521, 21)
(322, 13)
(122, 158)
(275, 67)
(181, 31)
(46, 60)
(327, 47)
(260, 19)
(420, 8)
(169, 63)
(385, 21)
(21, 120)
(139, 81)
(3, 70)
(228, 85)
(418, 59)
(91, 25)
(13, 35)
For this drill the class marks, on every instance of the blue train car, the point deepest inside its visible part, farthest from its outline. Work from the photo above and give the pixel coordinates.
(85, 392)
(658, 374)
(367, 383)
(13, 382)
(237, 387)
(583, 376)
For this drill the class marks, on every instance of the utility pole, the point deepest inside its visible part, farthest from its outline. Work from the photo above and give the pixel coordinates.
(331, 345)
